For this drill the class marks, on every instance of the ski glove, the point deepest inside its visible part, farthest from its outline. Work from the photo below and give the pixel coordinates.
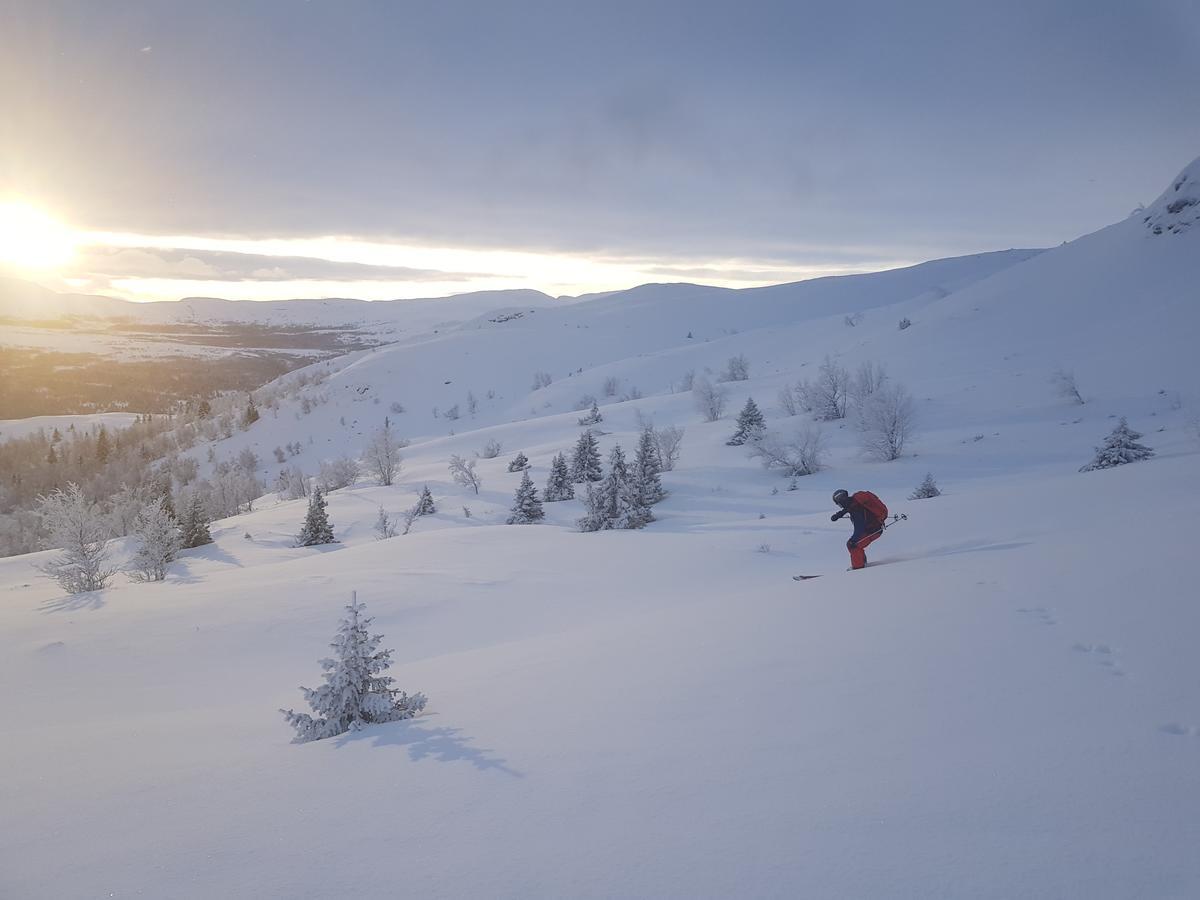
(837, 515)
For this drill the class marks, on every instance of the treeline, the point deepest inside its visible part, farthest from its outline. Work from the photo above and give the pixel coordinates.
(122, 470)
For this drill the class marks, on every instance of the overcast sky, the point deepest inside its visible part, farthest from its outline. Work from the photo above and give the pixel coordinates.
(210, 147)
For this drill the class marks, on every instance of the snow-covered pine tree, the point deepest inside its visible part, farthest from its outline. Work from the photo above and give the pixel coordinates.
(593, 416)
(750, 425)
(615, 501)
(161, 542)
(1119, 448)
(526, 508)
(647, 469)
(317, 529)
(926, 489)
(558, 486)
(385, 526)
(585, 463)
(519, 463)
(425, 505)
(355, 692)
(193, 528)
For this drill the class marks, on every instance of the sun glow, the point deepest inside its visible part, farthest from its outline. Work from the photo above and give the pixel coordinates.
(32, 240)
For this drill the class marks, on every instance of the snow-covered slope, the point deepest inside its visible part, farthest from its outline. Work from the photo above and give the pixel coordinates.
(1006, 705)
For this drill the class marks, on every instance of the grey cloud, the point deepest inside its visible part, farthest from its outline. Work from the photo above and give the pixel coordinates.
(210, 265)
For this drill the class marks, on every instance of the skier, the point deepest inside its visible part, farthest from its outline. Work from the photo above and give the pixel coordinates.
(868, 514)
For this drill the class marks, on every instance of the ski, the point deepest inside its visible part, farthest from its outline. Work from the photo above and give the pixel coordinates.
(804, 577)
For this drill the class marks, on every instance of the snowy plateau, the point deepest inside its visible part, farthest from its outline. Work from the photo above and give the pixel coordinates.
(1004, 704)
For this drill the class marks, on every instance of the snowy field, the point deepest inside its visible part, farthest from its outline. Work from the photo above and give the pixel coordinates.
(1006, 703)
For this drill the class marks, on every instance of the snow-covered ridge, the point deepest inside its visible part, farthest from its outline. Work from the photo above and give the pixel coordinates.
(1178, 208)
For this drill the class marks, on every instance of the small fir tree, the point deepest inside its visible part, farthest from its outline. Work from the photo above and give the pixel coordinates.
(1119, 448)
(593, 416)
(356, 693)
(385, 526)
(519, 463)
(593, 516)
(316, 529)
(526, 508)
(425, 505)
(193, 528)
(585, 463)
(750, 425)
(250, 415)
(103, 447)
(558, 486)
(926, 489)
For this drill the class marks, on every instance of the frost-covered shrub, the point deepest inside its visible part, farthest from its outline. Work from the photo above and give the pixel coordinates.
(709, 399)
(886, 422)
(687, 381)
(926, 489)
(160, 542)
(1066, 386)
(787, 401)
(518, 463)
(737, 368)
(800, 454)
(828, 395)
(335, 473)
(462, 471)
(76, 525)
(593, 417)
(558, 485)
(541, 380)
(425, 505)
(385, 526)
(356, 693)
(905, 324)
(611, 385)
(587, 401)
(1119, 448)
(491, 449)
(868, 380)
(396, 407)
(668, 440)
(452, 413)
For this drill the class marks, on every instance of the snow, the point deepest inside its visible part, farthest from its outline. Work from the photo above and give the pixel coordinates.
(14, 428)
(1006, 703)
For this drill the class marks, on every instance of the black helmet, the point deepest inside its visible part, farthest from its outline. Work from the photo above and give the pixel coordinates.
(841, 497)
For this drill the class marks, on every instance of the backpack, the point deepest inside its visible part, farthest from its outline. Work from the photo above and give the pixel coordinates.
(871, 504)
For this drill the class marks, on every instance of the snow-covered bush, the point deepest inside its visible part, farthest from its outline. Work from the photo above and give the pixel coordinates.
(292, 484)
(316, 529)
(541, 380)
(587, 401)
(336, 473)
(646, 474)
(1066, 386)
(452, 413)
(1120, 447)
(828, 394)
(76, 525)
(750, 425)
(612, 384)
(687, 381)
(593, 417)
(905, 324)
(709, 398)
(737, 368)
(462, 471)
(788, 402)
(869, 379)
(526, 508)
(396, 407)
(425, 505)
(668, 441)
(356, 692)
(381, 458)
(518, 463)
(926, 489)
(800, 454)
(385, 526)
(491, 449)
(279, 455)
(886, 422)
(160, 543)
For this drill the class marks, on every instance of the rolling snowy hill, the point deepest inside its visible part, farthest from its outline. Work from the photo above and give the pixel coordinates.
(1007, 704)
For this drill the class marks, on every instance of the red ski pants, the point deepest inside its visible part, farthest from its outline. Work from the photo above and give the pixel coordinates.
(857, 548)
